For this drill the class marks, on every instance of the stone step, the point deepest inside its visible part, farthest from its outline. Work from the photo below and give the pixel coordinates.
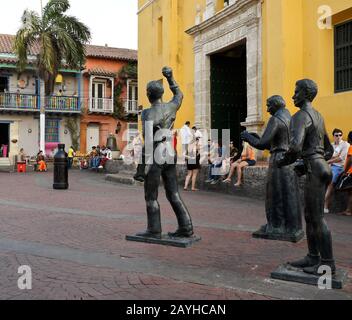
(6, 168)
(5, 165)
(123, 178)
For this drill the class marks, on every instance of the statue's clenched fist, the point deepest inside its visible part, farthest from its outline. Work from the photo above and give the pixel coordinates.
(167, 72)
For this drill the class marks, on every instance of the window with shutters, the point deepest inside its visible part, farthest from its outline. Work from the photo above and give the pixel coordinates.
(52, 130)
(343, 57)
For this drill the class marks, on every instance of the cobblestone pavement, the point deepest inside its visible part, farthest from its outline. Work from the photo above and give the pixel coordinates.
(74, 242)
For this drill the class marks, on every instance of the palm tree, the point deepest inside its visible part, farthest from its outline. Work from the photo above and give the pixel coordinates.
(61, 38)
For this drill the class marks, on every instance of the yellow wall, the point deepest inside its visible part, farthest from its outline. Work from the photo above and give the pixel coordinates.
(178, 15)
(293, 48)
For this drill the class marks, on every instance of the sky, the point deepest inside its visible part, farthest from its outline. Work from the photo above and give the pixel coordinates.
(112, 22)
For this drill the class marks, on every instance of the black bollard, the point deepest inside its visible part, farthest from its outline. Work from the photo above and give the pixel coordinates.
(61, 169)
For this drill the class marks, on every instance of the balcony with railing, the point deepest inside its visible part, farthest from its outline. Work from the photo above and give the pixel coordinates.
(101, 105)
(18, 102)
(63, 104)
(131, 106)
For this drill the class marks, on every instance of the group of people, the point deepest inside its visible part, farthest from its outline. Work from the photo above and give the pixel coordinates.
(40, 164)
(341, 166)
(222, 165)
(97, 158)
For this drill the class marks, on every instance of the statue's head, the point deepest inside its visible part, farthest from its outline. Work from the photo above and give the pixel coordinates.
(306, 91)
(275, 103)
(155, 91)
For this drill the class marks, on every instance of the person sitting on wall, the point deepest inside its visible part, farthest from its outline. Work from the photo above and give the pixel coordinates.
(41, 164)
(105, 158)
(216, 159)
(247, 160)
(348, 172)
(94, 158)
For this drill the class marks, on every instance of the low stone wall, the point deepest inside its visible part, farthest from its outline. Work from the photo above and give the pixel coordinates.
(117, 166)
(254, 185)
(254, 182)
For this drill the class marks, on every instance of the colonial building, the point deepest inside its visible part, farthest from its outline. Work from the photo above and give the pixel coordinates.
(20, 104)
(86, 106)
(110, 96)
(229, 56)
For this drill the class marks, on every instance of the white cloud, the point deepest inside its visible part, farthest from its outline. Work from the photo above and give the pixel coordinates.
(112, 22)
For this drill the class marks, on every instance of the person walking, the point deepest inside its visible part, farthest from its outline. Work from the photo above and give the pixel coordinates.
(70, 156)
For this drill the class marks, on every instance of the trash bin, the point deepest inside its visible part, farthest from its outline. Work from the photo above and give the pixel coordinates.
(21, 167)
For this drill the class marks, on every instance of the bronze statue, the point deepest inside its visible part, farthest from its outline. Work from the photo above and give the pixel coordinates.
(309, 140)
(162, 116)
(283, 209)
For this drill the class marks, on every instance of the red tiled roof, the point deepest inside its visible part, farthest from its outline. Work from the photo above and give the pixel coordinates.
(100, 72)
(111, 53)
(7, 41)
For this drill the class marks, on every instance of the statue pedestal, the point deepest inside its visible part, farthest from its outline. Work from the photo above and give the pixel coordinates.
(291, 274)
(166, 240)
(291, 237)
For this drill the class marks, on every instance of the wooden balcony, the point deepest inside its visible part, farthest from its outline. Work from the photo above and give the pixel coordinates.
(18, 102)
(63, 104)
(15, 102)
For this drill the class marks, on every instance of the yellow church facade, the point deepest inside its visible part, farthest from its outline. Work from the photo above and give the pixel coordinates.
(229, 56)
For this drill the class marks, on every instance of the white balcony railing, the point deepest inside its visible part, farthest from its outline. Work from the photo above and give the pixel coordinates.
(131, 106)
(101, 105)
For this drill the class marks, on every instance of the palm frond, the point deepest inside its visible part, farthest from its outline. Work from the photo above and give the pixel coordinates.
(62, 39)
(76, 28)
(26, 37)
(47, 60)
(55, 8)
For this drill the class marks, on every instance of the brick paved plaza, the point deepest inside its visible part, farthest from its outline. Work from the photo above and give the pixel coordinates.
(74, 242)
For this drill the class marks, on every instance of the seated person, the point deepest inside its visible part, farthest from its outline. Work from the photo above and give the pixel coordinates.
(41, 164)
(215, 159)
(247, 159)
(84, 164)
(94, 159)
(21, 156)
(105, 158)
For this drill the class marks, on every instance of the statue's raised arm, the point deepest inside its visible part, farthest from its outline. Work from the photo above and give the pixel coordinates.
(178, 95)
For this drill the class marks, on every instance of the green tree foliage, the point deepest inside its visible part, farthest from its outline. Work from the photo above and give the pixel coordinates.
(129, 71)
(61, 38)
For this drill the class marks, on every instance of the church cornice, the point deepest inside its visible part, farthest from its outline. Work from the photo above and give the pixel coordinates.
(239, 6)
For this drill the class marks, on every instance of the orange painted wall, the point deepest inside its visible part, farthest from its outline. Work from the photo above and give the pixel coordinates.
(107, 123)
